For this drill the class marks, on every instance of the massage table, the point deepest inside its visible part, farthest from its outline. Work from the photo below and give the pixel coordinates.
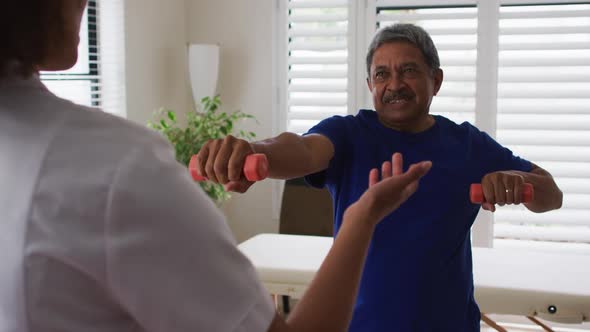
(554, 287)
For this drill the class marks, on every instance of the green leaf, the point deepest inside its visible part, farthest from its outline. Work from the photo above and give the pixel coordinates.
(205, 123)
(171, 116)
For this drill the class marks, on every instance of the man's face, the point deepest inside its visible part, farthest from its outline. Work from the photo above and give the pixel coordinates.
(402, 85)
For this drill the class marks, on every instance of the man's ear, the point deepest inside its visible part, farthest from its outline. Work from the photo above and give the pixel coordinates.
(369, 84)
(438, 79)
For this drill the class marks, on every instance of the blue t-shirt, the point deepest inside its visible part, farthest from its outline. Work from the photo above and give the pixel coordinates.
(418, 273)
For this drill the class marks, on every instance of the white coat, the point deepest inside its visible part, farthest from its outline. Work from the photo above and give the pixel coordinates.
(102, 230)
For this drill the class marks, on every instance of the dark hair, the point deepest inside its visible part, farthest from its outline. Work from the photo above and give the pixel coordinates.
(410, 33)
(25, 30)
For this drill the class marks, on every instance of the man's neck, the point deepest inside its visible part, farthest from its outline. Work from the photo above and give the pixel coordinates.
(414, 127)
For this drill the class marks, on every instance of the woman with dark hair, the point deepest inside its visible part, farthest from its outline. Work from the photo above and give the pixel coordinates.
(40, 33)
(102, 230)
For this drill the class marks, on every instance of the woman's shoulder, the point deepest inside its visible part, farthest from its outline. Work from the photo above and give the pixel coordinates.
(89, 143)
(107, 133)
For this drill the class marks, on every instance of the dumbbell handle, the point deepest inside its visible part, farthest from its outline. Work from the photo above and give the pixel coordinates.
(477, 197)
(255, 168)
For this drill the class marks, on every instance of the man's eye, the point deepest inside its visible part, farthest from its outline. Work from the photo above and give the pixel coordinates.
(409, 70)
(379, 74)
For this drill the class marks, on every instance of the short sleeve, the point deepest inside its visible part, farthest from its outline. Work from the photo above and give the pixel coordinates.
(334, 128)
(496, 157)
(171, 260)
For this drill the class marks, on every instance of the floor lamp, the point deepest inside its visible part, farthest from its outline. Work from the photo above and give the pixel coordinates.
(203, 60)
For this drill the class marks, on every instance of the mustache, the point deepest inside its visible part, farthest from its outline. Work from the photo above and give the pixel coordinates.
(402, 94)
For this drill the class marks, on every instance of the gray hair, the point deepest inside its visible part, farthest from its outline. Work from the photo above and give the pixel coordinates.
(410, 33)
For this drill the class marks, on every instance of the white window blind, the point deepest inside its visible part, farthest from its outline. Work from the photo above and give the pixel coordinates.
(317, 61)
(112, 56)
(454, 32)
(97, 79)
(543, 115)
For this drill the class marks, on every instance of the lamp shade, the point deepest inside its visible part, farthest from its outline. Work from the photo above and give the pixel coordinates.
(203, 61)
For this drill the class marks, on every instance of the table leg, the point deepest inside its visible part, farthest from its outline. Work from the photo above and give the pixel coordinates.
(492, 324)
(276, 299)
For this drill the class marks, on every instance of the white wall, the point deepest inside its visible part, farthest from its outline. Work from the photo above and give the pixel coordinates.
(156, 74)
(243, 29)
(157, 33)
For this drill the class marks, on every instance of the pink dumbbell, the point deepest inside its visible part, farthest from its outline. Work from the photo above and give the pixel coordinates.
(476, 193)
(255, 168)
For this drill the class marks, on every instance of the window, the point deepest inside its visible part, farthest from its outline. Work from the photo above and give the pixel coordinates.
(543, 80)
(97, 79)
(543, 115)
(317, 62)
(517, 69)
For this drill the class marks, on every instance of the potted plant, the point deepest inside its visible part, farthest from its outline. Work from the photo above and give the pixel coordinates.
(201, 126)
